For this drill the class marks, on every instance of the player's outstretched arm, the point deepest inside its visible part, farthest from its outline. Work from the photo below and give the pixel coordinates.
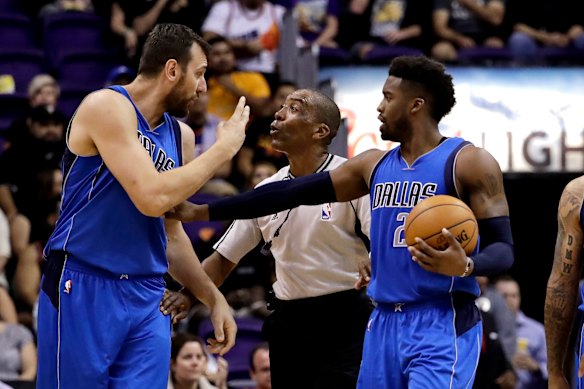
(347, 182)
(562, 288)
(106, 123)
(185, 267)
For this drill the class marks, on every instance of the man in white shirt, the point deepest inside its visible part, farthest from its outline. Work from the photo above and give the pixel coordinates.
(252, 27)
(316, 331)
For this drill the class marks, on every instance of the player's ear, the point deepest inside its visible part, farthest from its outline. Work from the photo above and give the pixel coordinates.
(417, 104)
(171, 69)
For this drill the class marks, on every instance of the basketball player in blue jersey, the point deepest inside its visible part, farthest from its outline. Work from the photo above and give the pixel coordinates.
(563, 287)
(127, 162)
(425, 331)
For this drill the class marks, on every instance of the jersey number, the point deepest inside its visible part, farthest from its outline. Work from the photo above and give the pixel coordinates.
(399, 238)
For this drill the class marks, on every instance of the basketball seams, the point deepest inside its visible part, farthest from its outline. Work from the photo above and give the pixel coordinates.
(456, 219)
(409, 223)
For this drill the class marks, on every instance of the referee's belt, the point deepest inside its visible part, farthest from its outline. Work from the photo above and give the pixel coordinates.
(333, 299)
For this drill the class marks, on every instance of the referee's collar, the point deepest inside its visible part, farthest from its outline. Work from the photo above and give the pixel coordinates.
(327, 161)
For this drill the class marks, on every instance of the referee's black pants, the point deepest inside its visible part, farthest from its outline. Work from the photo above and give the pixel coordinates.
(317, 343)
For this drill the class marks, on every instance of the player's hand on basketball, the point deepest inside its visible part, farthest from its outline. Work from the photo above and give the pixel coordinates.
(175, 304)
(364, 274)
(450, 262)
(225, 329)
(188, 212)
(231, 133)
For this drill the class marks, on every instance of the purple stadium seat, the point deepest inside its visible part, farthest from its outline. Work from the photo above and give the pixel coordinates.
(85, 70)
(11, 7)
(23, 65)
(16, 32)
(383, 54)
(249, 335)
(72, 32)
(556, 55)
(481, 55)
(329, 56)
(70, 99)
(12, 107)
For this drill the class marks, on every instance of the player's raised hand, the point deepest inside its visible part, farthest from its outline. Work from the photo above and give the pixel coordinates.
(225, 329)
(231, 133)
(450, 262)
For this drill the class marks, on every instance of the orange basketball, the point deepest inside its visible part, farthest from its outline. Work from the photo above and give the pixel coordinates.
(429, 216)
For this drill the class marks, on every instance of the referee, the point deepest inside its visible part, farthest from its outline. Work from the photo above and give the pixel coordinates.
(316, 330)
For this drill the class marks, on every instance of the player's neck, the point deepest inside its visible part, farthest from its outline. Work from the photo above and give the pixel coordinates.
(420, 144)
(302, 164)
(146, 97)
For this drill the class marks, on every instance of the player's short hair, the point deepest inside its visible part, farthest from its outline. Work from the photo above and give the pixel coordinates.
(326, 111)
(428, 77)
(168, 41)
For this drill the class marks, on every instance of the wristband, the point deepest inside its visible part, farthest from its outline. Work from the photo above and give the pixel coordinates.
(467, 269)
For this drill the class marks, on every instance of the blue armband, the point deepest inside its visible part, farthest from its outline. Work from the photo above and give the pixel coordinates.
(496, 248)
(274, 197)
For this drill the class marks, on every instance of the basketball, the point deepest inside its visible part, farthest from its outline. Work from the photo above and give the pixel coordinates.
(430, 215)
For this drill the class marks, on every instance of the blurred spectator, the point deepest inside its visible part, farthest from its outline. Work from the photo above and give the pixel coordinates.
(29, 191)
(18, 355)
(252, 27)
(132, 20)
(530, 361)
(66, 5)
(259, 363)
(7, 309)
(318, 20)
(463, 24)
(494, 369)
(543, 23)
(258, 142)
(366, 24)
(120, 75)
(42, 90)
(492, 301)
(5, 248)
(204, 125)
(226, 84)
(188, 366)
(260, 171)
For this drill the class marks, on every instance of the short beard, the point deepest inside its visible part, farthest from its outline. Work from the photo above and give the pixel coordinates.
(176, 104)
(399, 128)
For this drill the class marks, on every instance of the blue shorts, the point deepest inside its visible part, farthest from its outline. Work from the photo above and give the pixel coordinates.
(422, 345)
(101, 331)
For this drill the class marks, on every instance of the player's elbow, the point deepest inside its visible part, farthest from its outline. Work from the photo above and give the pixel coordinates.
(508, 260)
(154, 206)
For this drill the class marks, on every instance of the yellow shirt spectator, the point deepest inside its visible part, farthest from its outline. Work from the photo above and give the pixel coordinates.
(222, 100)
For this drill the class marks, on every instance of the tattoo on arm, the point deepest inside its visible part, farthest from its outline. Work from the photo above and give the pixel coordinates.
(492, 185)
(563, 284)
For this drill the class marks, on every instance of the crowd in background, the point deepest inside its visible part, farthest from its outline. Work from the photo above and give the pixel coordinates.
(244, 38)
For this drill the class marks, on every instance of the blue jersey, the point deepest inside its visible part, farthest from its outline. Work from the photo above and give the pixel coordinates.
(99, 226)
(396, 188)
